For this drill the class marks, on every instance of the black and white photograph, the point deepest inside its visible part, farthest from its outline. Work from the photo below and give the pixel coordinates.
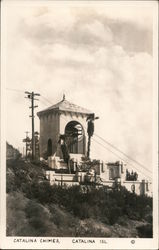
(79, 163)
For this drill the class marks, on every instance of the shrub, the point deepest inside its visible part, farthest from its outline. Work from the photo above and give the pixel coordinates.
(38, 218)
(145, 231)
(100, 204)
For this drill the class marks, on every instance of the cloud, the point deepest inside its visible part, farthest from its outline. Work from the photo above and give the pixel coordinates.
(127, 24)
(131, 37)
(77, 34)
(98, 60)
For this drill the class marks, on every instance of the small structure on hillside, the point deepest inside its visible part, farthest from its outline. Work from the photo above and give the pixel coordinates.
(98, 173)
(63, 127)
(65, 135)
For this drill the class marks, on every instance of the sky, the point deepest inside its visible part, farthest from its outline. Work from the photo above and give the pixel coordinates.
(99, 54)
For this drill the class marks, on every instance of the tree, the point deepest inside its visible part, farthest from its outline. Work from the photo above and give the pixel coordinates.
(90, 130)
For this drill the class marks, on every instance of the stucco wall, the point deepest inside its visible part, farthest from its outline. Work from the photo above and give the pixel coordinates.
(53, 124)
(141, 187)
(128, 185)
(104, 174)
(49, 129)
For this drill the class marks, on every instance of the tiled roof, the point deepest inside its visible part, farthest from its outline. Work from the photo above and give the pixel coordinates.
(65, 105)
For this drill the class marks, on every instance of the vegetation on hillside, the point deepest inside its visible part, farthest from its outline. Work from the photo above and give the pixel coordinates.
(34, 208)
(11, 152)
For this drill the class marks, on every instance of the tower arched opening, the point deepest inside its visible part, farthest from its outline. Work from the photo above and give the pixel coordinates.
(75, 137)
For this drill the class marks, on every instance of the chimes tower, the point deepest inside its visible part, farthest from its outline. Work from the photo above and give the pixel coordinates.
(63, 118)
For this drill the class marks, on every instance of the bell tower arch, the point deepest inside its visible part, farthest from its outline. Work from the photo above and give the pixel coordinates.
(75, 137)
(63, 118)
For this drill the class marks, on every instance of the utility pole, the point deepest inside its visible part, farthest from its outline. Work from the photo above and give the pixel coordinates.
(36, 134)
(31, 96)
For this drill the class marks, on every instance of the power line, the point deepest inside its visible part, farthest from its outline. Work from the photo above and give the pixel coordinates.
(117, 155)
(122, 159)
(46, 99)
(110, 144)
(121, 152)
(17, 90)
(44, 103)
(23, 91)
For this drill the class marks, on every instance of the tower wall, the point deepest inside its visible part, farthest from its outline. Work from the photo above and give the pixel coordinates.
(49, 129)
(53, 124)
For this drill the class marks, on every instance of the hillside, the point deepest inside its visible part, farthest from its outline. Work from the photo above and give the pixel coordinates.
(34, 208)
(11, 152)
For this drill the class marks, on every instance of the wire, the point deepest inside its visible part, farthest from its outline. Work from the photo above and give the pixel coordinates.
(118, 155)
(17, 90)
(122, 153)
(44, 103)
(47, 100)
(110, 144)
(23, 91)
(122, 159)
(105, 141)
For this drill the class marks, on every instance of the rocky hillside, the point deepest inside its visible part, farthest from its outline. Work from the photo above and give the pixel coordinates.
(34, 208)
(11, 152)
